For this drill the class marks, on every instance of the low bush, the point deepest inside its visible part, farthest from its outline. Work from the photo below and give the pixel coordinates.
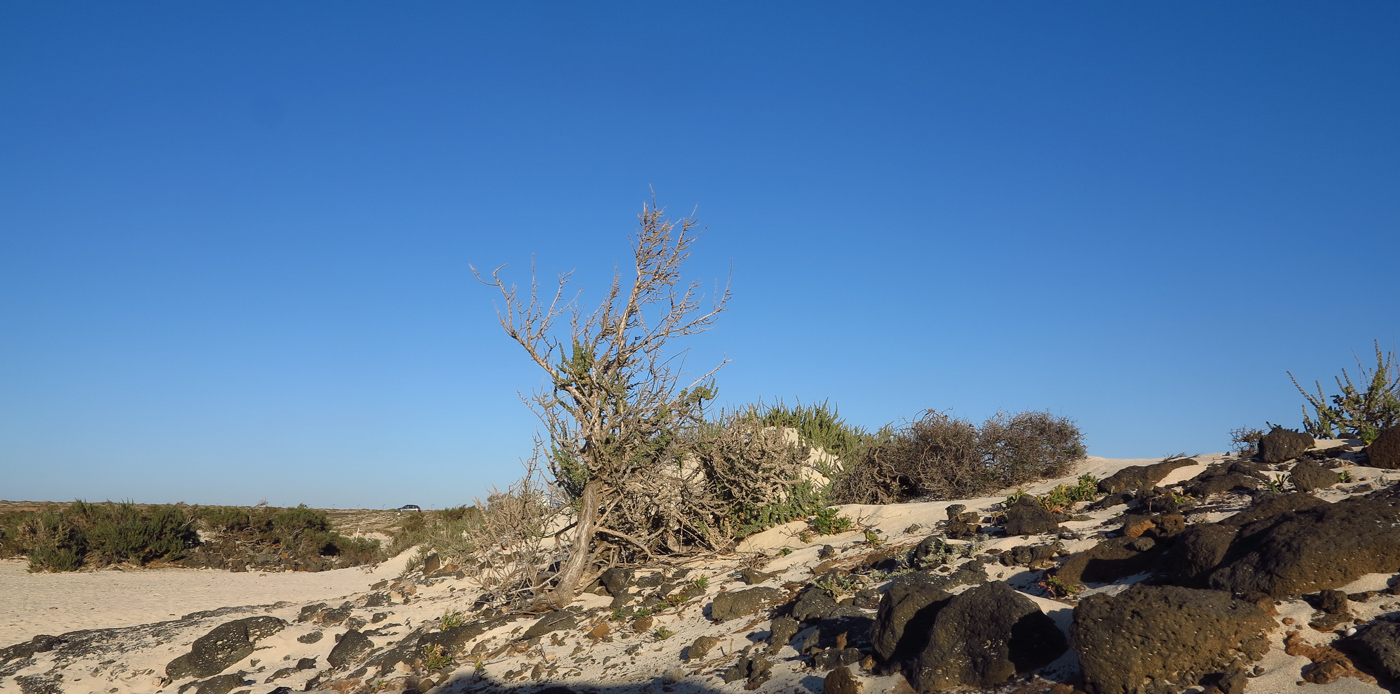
(1245, 440)
(65, 538)
(1354, 412)
(937, 456)
(820, 426)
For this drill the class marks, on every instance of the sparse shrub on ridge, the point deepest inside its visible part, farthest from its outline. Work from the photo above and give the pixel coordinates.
(1245, 440)
(1356, 413)
(937, 456)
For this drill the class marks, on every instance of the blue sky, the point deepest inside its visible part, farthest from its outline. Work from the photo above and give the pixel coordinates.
(234, 241)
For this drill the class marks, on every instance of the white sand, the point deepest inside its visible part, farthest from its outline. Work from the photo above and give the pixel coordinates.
(54, 603)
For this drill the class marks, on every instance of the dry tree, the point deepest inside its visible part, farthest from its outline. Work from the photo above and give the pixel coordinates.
(613, 406)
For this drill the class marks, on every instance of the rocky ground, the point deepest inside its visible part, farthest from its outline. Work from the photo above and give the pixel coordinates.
(1205, 574)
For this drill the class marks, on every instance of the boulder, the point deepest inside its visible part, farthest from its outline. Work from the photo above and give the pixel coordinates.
(1308, 475)
(907, 610)
(781, 632)
(841, 681)
(1218, 479)
(455, 640)
(1327, 546)
(1197, 553)
(616, 580)
(1028, 517)
(738, 603)
(223, 646)
(1137, 478)
(1163, 639)
(1283, 444)
(352, 645)
(815, 604)
(1385, 450)
(223, 684)
(1110, 560)
(1378, 647)
(701, 647)
(983, 637)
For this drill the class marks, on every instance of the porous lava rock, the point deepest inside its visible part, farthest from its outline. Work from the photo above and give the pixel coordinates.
(907, 610)
(1326, 546)
(1028, 517)
(983, 637)
(1385, 450)
(1378, 647)
(223, 646)
(616, 581)
(554, 621)
(1110, 560)
(1218, 479)
(1137, 478)
(1308, 475)
(352, 645)
(814, 604)
(1283, 444)
(223, 684)
(1163, 639)
(841, 681)
(738, 603)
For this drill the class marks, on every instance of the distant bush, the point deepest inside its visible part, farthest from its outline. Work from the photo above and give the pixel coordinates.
(1353, 412)
(99, 534)
(447, 532)
(937, 456)
(65, 538)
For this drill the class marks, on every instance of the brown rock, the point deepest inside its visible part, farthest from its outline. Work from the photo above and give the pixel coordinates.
(1135, 526)
(642, 624)
(1385, 450)
(599, 631)
(841, 681)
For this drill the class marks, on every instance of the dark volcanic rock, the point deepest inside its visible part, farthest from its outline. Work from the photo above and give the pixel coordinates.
(616, 580)
(1160, 639)
(907, 610)
(1385, 450)
(738, 603)
(223, 684)
(1141, 477)
(814, 604)
(1326, 546)
(553, 621)
(1218, 479)
(1283, 444)
(1378, 647)
(841, 681)
(352, 645)
(455, 640)
(983, 637)
(782, 631)
(1111, 559)
(223, 646)
(1028, 517)
(1197, 553)
(1309, 475)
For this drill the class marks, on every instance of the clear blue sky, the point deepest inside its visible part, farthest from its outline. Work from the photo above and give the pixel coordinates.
(234, 239)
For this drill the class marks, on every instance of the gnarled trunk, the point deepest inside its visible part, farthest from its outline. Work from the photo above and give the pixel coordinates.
(572, 573)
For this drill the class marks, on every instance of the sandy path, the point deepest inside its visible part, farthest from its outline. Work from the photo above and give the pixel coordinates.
(46, 603)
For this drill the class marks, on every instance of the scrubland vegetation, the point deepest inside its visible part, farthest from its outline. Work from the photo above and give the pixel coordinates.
(69, 537)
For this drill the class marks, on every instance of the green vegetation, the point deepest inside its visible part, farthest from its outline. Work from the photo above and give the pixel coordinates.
(452, 619)
(1353, 412)
(662, 633)
(65, 538)
(435, 657)
(1063, 496)
(447, 532)
(819, 426)
(829, 521)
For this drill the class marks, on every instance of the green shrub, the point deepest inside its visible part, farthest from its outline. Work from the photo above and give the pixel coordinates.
(820, 426)
(829, 521)
(1356, 413)
(125, 533)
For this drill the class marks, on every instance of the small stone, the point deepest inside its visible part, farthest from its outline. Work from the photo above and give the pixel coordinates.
(642, 624)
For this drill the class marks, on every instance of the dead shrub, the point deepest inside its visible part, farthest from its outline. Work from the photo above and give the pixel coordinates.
(937, 456)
